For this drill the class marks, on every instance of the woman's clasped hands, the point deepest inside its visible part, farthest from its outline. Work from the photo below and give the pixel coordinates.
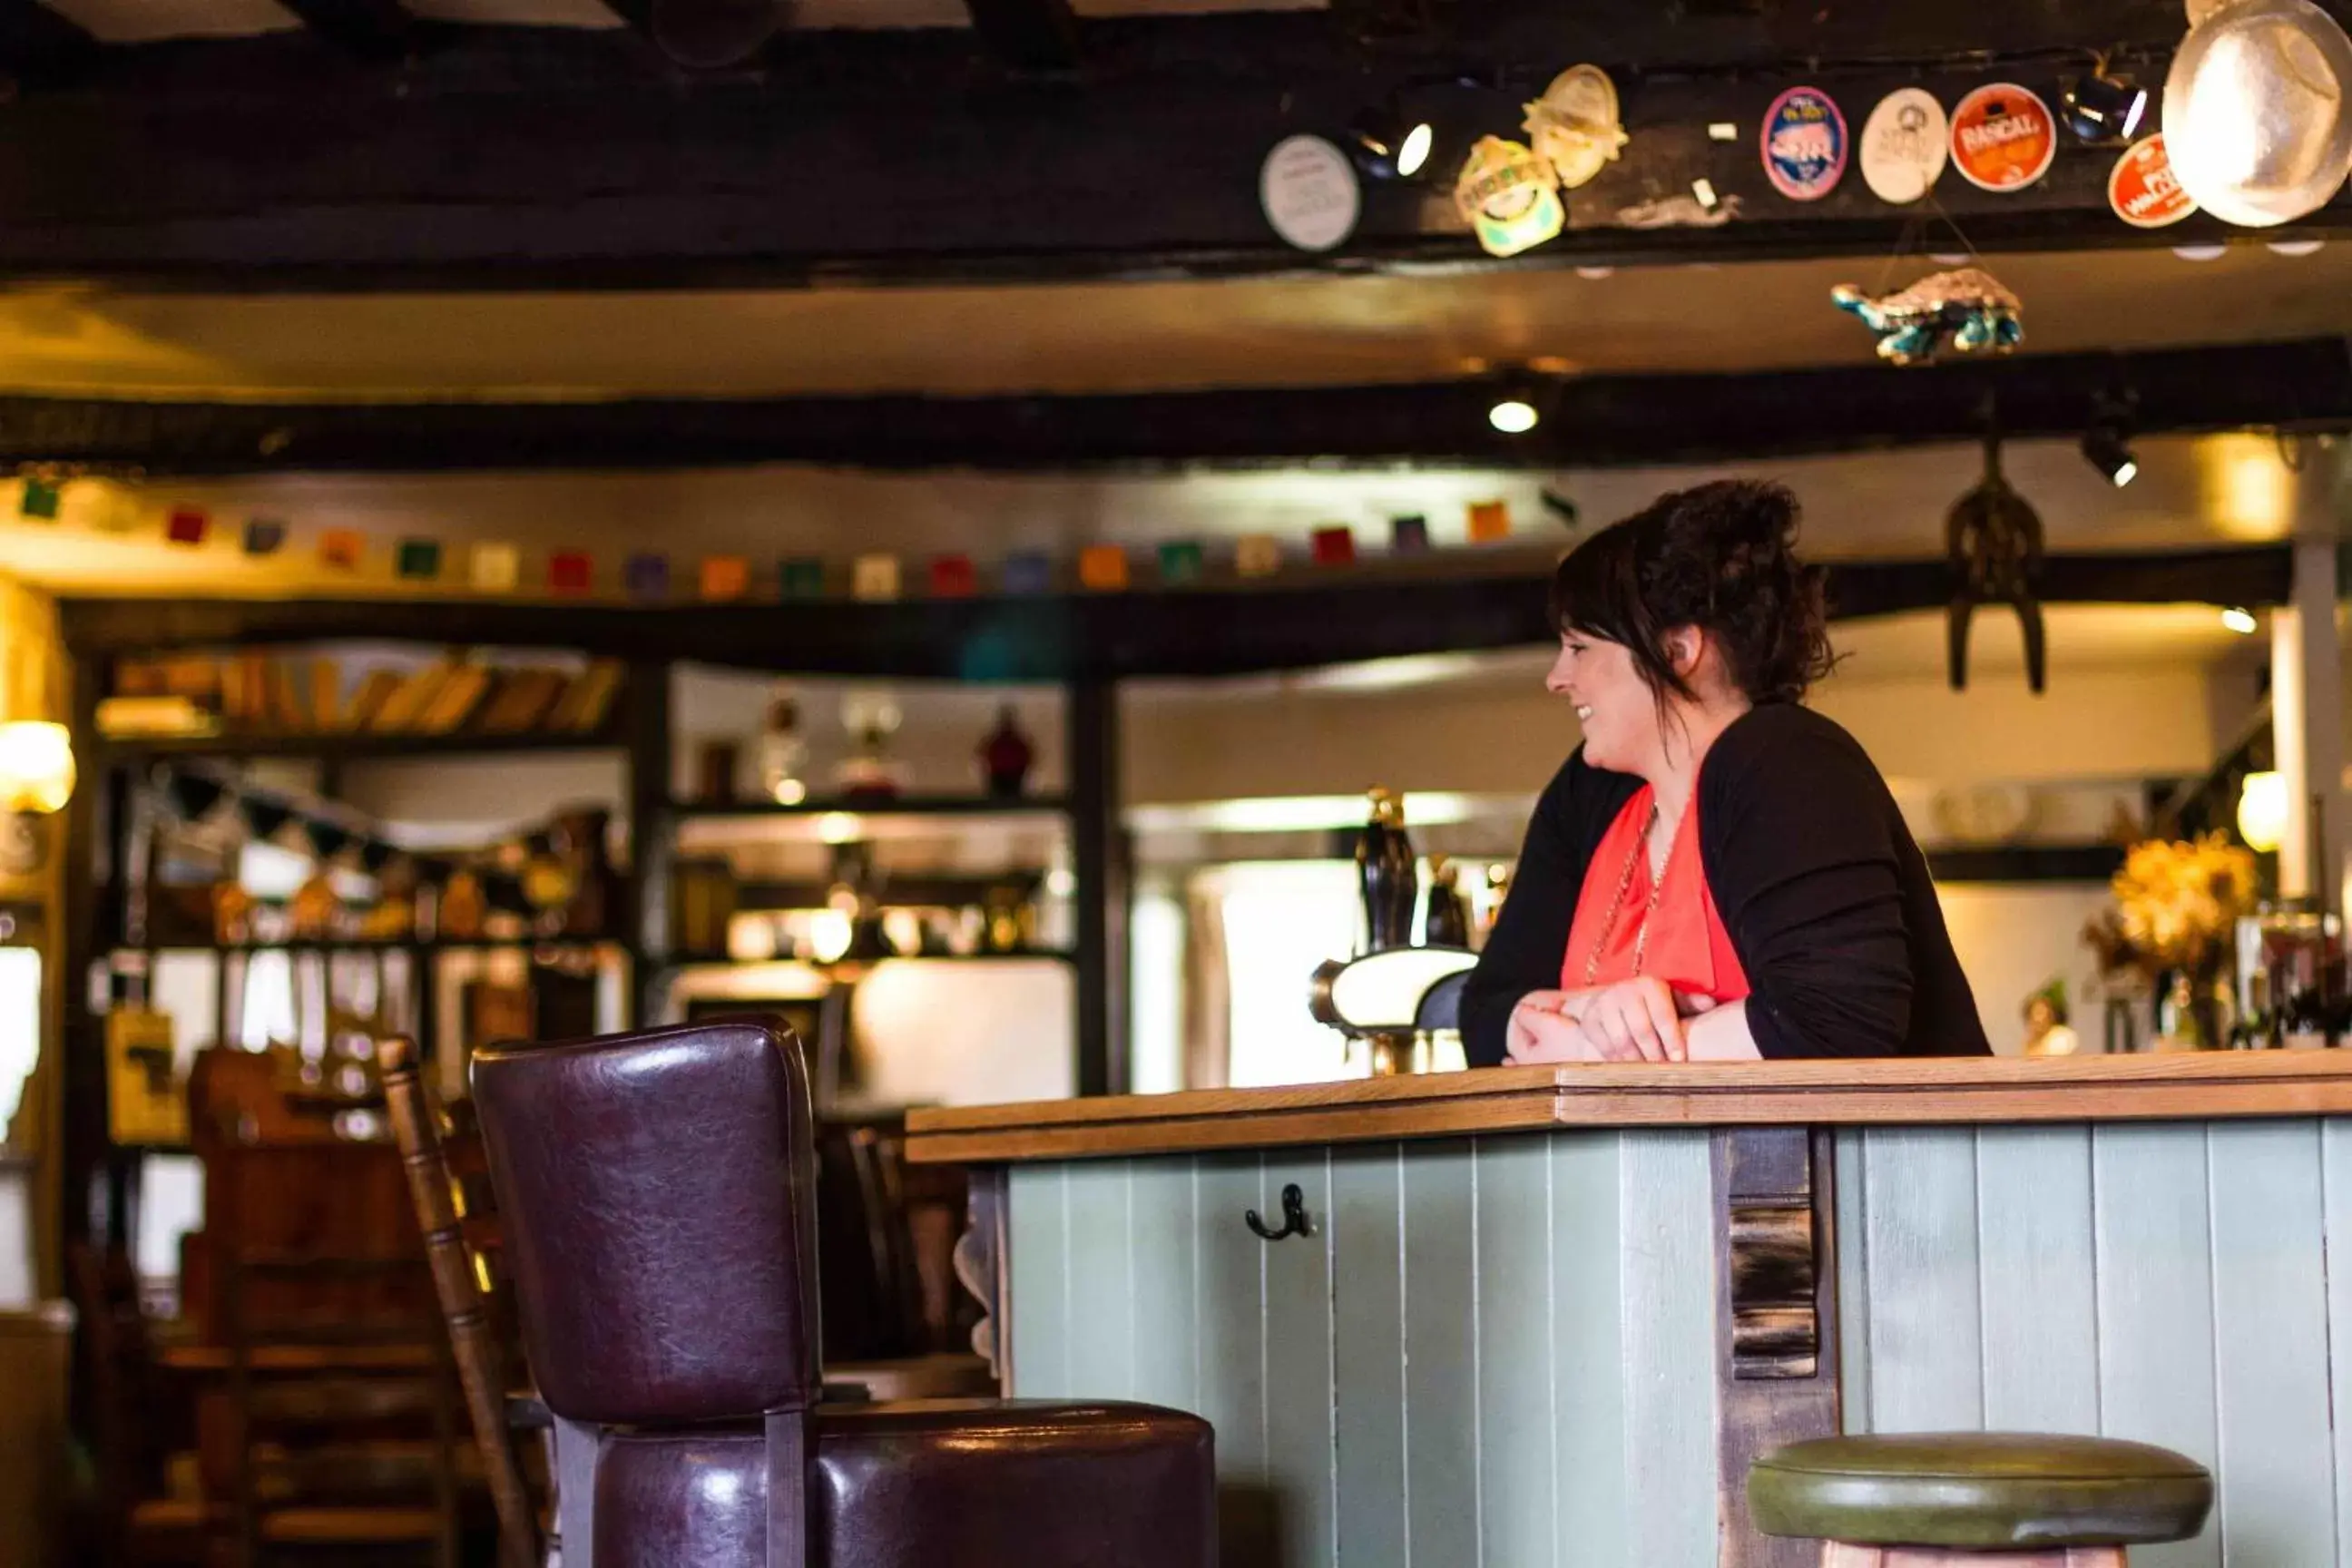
(1636, 1020)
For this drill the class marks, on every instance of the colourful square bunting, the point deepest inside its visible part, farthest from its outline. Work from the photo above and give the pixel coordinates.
(569, 572)
(264, 536)
(1408, 535)
(953, 578)
(1179, 561)
(803, 577)
(1258, 555)
(1102, 567)
(186, 525)
(646, 575)
(43, 500)
(1334, 546)
(875, 577)
(417, 558)
(340, 549)
(725, 576)
(497, 568)
(1028, 572)
(1489, 520)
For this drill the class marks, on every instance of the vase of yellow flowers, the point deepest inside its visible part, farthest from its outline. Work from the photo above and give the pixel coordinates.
(2172, 930)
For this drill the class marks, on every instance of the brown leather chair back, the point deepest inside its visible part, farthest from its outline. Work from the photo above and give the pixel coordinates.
(659, 1221)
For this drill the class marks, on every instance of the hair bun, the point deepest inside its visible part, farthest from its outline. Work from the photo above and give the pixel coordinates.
(1722, 556)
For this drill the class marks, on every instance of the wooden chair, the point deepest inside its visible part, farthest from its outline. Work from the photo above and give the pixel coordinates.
(344, 1408)
(133, 1422)
(456, 1210)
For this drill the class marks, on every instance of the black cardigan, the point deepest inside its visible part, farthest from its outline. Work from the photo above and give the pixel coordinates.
(1823, 892)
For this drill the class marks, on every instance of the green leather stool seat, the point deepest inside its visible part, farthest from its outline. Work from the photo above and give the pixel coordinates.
(1985, 1491)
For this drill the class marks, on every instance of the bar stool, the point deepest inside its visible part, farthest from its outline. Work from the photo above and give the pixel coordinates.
(660, 1217)
(1914, 1500)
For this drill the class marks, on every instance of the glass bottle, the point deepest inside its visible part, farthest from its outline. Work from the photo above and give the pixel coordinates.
(784, 753)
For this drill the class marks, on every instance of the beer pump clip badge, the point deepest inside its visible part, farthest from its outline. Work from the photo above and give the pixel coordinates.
(1504, 193)
(2143, 189)
(1574, 126)
(2004, 137)
(1804, 144)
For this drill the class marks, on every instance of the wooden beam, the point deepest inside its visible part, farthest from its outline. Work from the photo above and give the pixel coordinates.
(38, 46)
(1027, 34)
(372, 30)
(1588, 421)
(238, 164)
(1223, 628)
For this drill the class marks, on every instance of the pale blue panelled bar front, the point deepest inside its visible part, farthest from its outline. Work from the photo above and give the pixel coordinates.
(1517, 1334)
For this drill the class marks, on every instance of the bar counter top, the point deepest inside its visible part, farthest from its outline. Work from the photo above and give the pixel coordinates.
(2205, 1086)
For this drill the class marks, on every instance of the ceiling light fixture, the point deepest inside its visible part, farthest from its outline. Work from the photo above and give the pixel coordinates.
(2241, 620)
(1512, 415)
(2103, 106)
(1391, 144)
(2106, 445)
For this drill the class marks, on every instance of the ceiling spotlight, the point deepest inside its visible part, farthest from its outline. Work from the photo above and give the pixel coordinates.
(2104, 108)
(1512, 415)
(1391, 144)
(2107, 448)
(2240, 621)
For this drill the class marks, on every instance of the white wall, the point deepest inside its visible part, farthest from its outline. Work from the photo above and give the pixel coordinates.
(2013, 940)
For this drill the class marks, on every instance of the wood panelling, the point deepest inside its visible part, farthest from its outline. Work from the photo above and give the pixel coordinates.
(2166, 1283)
(1929, 1092)
(1499, 1353)
(1502, 1351)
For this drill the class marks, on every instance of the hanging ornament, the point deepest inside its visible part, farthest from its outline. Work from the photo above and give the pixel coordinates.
(1804, 144)
(2254, 110)
(2004, 137)
(2143, 188)
(1967, 309)
(1904, 145)
(1574, 128)
(1994, 538)
(1309, 193)
(1506, 194)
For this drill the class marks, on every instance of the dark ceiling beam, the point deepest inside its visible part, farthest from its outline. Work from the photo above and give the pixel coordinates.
(554, 158)
(38, 46)
(371, 30)
(1599, 421)
(1028, 36)
(1208, 631)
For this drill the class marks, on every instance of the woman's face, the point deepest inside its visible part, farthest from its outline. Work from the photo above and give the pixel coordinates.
(1613, 704)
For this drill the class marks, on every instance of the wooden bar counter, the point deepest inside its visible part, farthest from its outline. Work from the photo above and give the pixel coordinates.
(1547, 1315)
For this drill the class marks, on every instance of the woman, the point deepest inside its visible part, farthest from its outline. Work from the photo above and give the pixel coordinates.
(1718, 873)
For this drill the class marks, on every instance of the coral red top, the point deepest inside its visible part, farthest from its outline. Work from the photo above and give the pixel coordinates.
(1687, 946)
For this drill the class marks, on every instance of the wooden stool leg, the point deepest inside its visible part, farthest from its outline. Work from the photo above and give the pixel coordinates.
(1844, 1554)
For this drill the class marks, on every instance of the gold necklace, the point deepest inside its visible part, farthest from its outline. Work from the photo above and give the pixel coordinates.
(1617, 905)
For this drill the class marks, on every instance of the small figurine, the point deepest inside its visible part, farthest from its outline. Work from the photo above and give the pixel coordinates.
(1005, 756)
(2047, 1033)
(1967, 309)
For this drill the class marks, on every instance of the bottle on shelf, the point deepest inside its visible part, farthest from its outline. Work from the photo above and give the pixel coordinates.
(784, 753)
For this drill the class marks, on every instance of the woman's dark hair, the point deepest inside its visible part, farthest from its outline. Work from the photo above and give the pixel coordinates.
(1719, 556)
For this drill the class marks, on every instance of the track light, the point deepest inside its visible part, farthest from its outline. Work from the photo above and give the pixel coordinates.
(2240, 621)
(1391, 144)
(2105, 448)
(1512, 415)
(2104, 108)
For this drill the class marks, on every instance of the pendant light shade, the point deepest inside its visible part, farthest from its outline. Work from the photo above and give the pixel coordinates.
(2258, 110)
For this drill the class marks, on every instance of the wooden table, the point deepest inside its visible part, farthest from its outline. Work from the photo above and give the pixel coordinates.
(1548, 1315)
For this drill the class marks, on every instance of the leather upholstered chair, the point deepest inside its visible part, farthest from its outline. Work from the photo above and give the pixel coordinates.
(657, 1189)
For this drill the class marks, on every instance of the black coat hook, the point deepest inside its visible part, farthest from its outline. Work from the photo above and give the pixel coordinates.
(1294, 1216)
